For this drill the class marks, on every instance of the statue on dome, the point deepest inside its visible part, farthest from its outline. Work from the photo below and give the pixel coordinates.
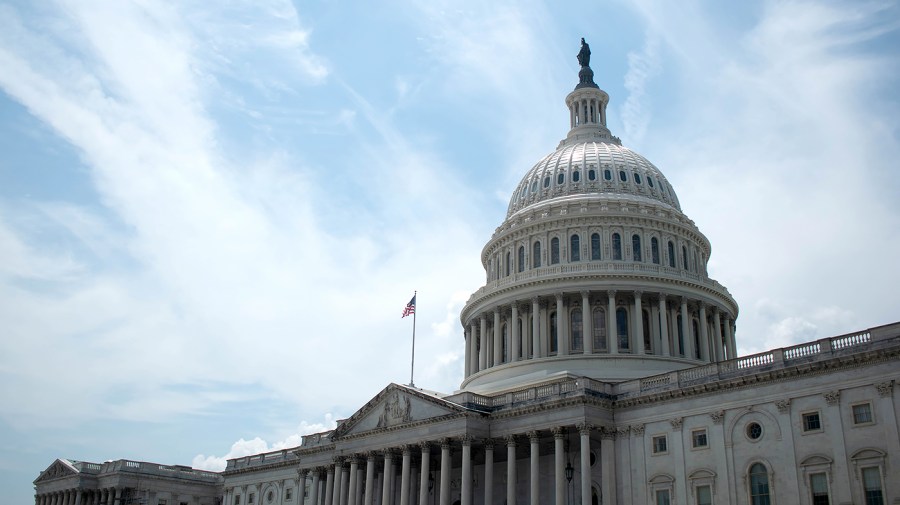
(584, 55)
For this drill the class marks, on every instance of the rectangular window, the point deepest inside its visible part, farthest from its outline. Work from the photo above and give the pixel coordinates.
(862, 413)
(811, 422)
(237, 499)
(662, 497)
(251, 498)
(288, 494)
(698, 439)
(659, 444)
(872, 486)
(704, 495)
(818, 485)
(162, 502)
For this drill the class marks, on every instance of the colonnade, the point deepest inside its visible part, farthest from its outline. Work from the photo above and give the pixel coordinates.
(372, 478)
(104, 496)
(640, 323)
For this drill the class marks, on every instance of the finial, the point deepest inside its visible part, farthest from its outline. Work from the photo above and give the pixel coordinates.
(585, 75)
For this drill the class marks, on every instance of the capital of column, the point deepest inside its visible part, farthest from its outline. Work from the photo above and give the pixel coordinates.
(445, 443)
(371, 455)
(353, 458)
(611, 294)
(466, 440)
(584, 428)
(558, 432)
(534, 436)
(638, 294)
(662, 297)
(558, 297)
(426, 447)
(488, 443)
(510, 440)
(405, 449)
(607, 433)
(388, 454)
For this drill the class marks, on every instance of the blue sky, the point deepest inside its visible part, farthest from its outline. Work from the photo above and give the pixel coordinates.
(210, 220)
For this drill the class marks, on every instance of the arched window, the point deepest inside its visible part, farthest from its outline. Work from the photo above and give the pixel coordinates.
(684, 257)
(607, 174)
(622, 329)
(680, 330)
(554, 250)
(599, 329)
(553, 334)
(577, 330)
(623, 176)
(595, 246)
(536, 255)
(560, 179)
(592, 175)
(636, 247)
(576, 176)
(648, 344)
(522, 351)
(508, 261)
(695, 326)
(654, 250)
(505, 338)
(671, 254)
(574, 248)
(617, 246)
(759, 485)
(522, 258)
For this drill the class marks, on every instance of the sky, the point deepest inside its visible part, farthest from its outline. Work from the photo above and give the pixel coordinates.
(212, 215)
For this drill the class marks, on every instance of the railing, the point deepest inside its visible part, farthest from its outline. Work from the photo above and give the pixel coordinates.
(850, 340)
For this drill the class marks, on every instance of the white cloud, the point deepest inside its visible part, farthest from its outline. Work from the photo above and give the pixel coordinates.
(642, 67)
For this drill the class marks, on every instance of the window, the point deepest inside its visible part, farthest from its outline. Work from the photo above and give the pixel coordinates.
(508, 260)
(577, 330)
(534, 186)
(872, 486)
(576, 176)
(288, 494)
(654, 250)
(684, 257)
(659, 444)
(637, 177)
(617, 246)
(547, 181)
(595, 246)
(574, 248)
(759, 485)
(599, 329)
(704, 495)
(164, 502)
(754, 431)
(554, 250)
(662, 497)
(553, 334)
(561, 178)
(521, 258)
(536, 255)
(607, 175)
(811, 422)
(622, 329)
(648, 341)
(695, 325)
(592, 175)
(237, 499)
(671, 254)
(636, 247)
(623, 176)
(862, 413)
(251, 498)
(680, 326)
(505, 339)
(269, 496)
(650, 181)
(818, 486)
(698, 439)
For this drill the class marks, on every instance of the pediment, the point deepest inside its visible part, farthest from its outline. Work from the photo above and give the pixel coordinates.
(57, 470)
(816, 459)
(397, 406)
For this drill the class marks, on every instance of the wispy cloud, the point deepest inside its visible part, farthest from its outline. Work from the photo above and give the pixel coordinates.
(642, 67)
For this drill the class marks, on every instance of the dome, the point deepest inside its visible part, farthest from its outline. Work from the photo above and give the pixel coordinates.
(592, 168)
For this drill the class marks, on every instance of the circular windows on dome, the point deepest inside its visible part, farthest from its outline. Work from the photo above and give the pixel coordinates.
(754, 431)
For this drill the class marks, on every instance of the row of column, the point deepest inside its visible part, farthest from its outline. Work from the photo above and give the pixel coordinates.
(484, 345)
(105, 496)
(346, 484)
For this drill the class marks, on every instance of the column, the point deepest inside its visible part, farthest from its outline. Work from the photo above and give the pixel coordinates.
(488, 471)
(704, 335)
(370, 478)
(534, 438)
(117, 496)
(353, 490)
(612, 338)
(545, 330)
(301, 484)
(562, 333)
(585, 431)
(511, 477)
(717, 330)
(729, 332)
(387, 478)
(536, 328)
(608, 465)
(329, 485)
(423, 474)
(466, 485)
(404, 476)
(313, 488)
(498, 339)
(77, 496)
(686, 330)
(587, 323)
(467, 367)
(483, 347)
(639, 324)
(559, 465)
(514, 332)
(664, 325)
(445, 472)
(340, 485)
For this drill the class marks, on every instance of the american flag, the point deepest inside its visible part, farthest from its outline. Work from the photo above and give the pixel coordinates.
(410, 308)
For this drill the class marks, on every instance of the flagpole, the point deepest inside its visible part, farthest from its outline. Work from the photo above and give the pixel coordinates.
(412, 365)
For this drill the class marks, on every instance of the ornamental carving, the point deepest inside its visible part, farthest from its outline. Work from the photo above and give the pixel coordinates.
(533, 436)
(558, 432)
(884, 388)
(637, 429)
(833, 397)
(783, 405)
(607, 433)
(510, 440)
(623, 431)
(466, 439)
(584, 429)
(676, 423)
(717, 416)
(488, 443)
(396, 410)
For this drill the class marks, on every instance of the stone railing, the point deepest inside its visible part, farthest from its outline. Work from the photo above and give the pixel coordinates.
(745, 365)
(267, 458)
(146, 468)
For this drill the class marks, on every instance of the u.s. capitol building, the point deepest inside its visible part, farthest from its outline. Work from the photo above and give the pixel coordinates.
(600, 368)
